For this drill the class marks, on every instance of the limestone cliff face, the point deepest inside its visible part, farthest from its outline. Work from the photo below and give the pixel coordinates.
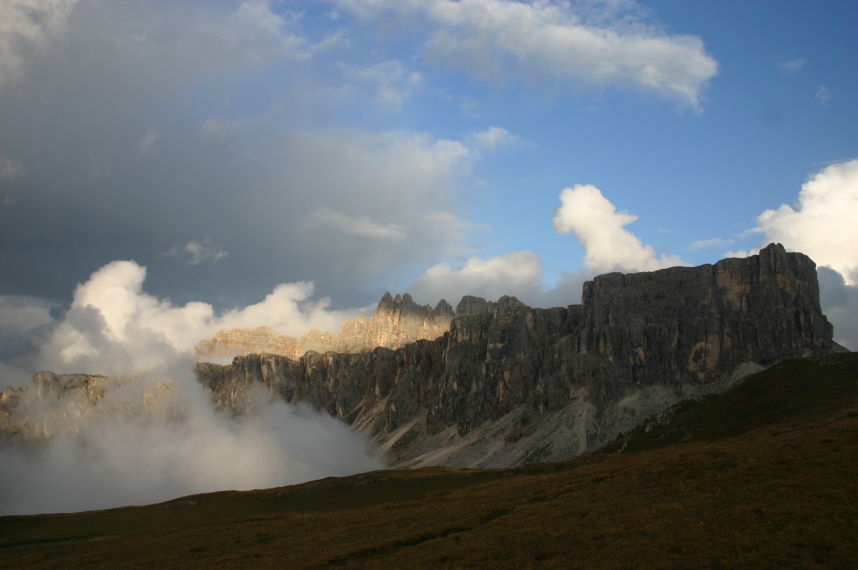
(395, 323)
(57, 403)
(510, 384)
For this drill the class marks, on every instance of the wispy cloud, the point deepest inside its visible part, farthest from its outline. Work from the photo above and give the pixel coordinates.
(791, 66)
(196, 251)
(391, 82)
(823, 95)
(713, 242)
(504, 41)
(358, 226)
(493, 139)
(147, 140)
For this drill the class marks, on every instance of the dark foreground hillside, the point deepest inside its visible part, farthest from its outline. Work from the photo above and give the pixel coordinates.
(764, 475)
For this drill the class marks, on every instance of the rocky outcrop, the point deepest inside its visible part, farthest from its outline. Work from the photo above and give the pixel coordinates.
(510, 384)
(395, 323)
(57, 403)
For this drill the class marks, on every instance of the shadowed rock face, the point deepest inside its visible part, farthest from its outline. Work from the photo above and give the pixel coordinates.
(509, 384)
(396, 322)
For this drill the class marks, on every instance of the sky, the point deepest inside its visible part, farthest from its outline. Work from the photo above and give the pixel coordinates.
(171, 169)
(168, 169)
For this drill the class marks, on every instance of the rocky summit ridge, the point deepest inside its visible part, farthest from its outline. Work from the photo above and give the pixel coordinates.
(396, 322)
(498, 383)
(509, 384)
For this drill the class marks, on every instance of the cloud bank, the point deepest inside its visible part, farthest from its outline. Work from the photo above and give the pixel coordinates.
(584, 212)
(582, 44)
(156, 437)
(123, 453)
(821, 224)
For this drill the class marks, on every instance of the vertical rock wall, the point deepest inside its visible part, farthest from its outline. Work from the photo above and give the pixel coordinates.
(635, 345)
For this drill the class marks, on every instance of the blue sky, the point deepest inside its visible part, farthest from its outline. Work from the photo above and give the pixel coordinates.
(231, 148)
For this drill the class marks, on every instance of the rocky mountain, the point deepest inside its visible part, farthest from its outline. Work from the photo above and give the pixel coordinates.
(509, 384)
(396, 322)
(506, 384)
(55, 403)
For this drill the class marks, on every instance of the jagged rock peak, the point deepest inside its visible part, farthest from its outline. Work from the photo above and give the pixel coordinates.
(443, 308)
(470, 305)
(404, 304)
(511, 384)
(396, 322)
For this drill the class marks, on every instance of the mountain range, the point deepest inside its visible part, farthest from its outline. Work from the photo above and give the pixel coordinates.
(762, 475)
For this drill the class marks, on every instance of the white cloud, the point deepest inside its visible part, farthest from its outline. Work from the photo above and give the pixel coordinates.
(23, 313)
(791, 66)
(823, 95)
(840, 304)
(392, 82)
(114, 327)
(359, 226)
(608, 246)
(128, 449)
(101, 460)
(822, 222)
(27, 29)
(517, 273)
(147, 140)
(195, 252)
(713, 242)
(603, 45)
(493, 139)
(11, 169)
(601, 230)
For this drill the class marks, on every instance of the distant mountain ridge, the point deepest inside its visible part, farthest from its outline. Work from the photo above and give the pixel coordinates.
(396, 322)
(510, 385)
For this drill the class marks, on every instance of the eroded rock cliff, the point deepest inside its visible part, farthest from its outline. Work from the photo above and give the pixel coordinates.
(510, 384)
(54, 404)
(395, 323)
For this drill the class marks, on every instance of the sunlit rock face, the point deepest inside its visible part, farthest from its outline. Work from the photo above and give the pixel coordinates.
(396, 322)
(497, 383)
(509, 384)
(56, 404)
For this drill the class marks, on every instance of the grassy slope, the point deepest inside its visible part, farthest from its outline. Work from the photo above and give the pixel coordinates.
(765, 475)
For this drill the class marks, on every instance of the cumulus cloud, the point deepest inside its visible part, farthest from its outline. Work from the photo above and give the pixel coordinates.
(584, 211)
(821, 223)
(600, 228)
(269, 172)
(840, 304)
(606, 44)
(155, 437)
(517, 273)
(114, 327)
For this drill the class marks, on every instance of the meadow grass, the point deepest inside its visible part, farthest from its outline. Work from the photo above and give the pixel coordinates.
(765, 475)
